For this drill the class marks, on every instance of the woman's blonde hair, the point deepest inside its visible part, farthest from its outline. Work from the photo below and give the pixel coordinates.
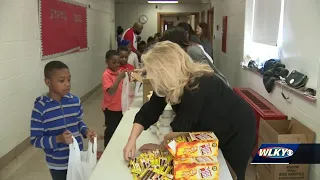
(170, 70)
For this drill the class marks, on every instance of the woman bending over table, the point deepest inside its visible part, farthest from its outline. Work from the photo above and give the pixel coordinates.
(201, 101)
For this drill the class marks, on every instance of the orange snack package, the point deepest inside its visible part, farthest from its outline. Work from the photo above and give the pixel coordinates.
(204, 168)
(193, 145)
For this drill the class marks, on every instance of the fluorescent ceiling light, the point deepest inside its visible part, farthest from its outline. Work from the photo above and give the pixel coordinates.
(163, 2)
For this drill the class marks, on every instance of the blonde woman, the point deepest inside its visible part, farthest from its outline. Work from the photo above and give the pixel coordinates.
(202, 102)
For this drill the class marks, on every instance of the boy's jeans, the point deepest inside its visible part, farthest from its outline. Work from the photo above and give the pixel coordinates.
(58, 174)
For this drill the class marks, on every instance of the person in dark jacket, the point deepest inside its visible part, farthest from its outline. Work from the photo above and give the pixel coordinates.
(180, 36)
(193, 38)
(202, 102)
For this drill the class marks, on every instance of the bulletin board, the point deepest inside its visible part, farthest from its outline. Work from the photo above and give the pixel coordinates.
(63, 27)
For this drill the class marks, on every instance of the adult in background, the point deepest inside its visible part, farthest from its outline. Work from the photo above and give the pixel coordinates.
(131, 35)
(204, 34)
(193, 38)
(201, 101)
(194, 50)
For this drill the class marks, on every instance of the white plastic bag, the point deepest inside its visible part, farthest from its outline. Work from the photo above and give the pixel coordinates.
(138, 85)
(128, 93)
(81, 163)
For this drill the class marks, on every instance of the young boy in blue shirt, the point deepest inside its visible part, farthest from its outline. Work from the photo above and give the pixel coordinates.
(56, 117)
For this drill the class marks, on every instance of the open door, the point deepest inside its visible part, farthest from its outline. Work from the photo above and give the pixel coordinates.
(224, 33)
(162, 25)
(192, 21)
(210, 22)
(193, 18)
(167, 25)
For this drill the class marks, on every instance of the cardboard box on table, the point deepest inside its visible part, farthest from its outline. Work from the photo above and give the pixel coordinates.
(282, 132)
(147, 87)
(204, 168)
(195, 148)
(196, 159)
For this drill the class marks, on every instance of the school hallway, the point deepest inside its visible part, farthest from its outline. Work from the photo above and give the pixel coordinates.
(240, 35)
(31, 165)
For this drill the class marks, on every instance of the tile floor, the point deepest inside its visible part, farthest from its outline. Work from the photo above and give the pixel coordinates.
(30, 165)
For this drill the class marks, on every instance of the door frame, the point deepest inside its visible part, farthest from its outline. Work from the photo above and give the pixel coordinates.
(203, 15)
(159, 14)
(210, 22)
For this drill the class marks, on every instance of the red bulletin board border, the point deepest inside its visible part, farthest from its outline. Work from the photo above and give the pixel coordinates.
(63, 27)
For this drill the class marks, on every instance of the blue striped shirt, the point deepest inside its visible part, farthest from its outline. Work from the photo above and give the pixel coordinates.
(51, 118)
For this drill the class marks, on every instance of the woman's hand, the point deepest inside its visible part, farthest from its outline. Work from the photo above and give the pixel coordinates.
(129, 150)
(149, 147)
(140, 71)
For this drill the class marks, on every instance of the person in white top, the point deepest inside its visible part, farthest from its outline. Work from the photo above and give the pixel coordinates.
(134, 60)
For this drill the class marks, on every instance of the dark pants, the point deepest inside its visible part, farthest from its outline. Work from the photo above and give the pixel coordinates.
(58, 174)
(112, 120)
(238, 151)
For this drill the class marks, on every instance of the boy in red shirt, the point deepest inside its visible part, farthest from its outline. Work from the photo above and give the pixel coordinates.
(124, 55)
(112, 80)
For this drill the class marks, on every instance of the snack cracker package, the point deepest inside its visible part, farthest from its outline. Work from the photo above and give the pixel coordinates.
(204, 168)
(193, 145)
(155, 174)
(156, 164)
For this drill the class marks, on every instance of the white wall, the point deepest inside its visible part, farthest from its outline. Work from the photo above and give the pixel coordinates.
(128, 14)
(21, 70)
(229, 63)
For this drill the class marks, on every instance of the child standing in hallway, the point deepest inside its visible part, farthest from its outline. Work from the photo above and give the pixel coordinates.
(56, 117)
(124, 54)
(112, 81)
(132, 57)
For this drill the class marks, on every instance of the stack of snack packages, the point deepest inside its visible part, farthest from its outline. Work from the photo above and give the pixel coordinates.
(195, 156)
(162, 127)
(152, 165)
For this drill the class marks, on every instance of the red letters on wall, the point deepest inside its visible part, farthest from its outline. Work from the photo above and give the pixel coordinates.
(63, 27)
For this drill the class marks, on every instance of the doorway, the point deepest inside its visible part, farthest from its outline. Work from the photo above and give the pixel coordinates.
(167, 25)
(168, 20)
(210, 22)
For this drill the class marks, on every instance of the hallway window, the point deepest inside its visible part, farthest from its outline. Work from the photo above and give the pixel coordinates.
(267, 28)
(266, 21)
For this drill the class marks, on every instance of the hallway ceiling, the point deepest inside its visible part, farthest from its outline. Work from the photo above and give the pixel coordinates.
(146, 1)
